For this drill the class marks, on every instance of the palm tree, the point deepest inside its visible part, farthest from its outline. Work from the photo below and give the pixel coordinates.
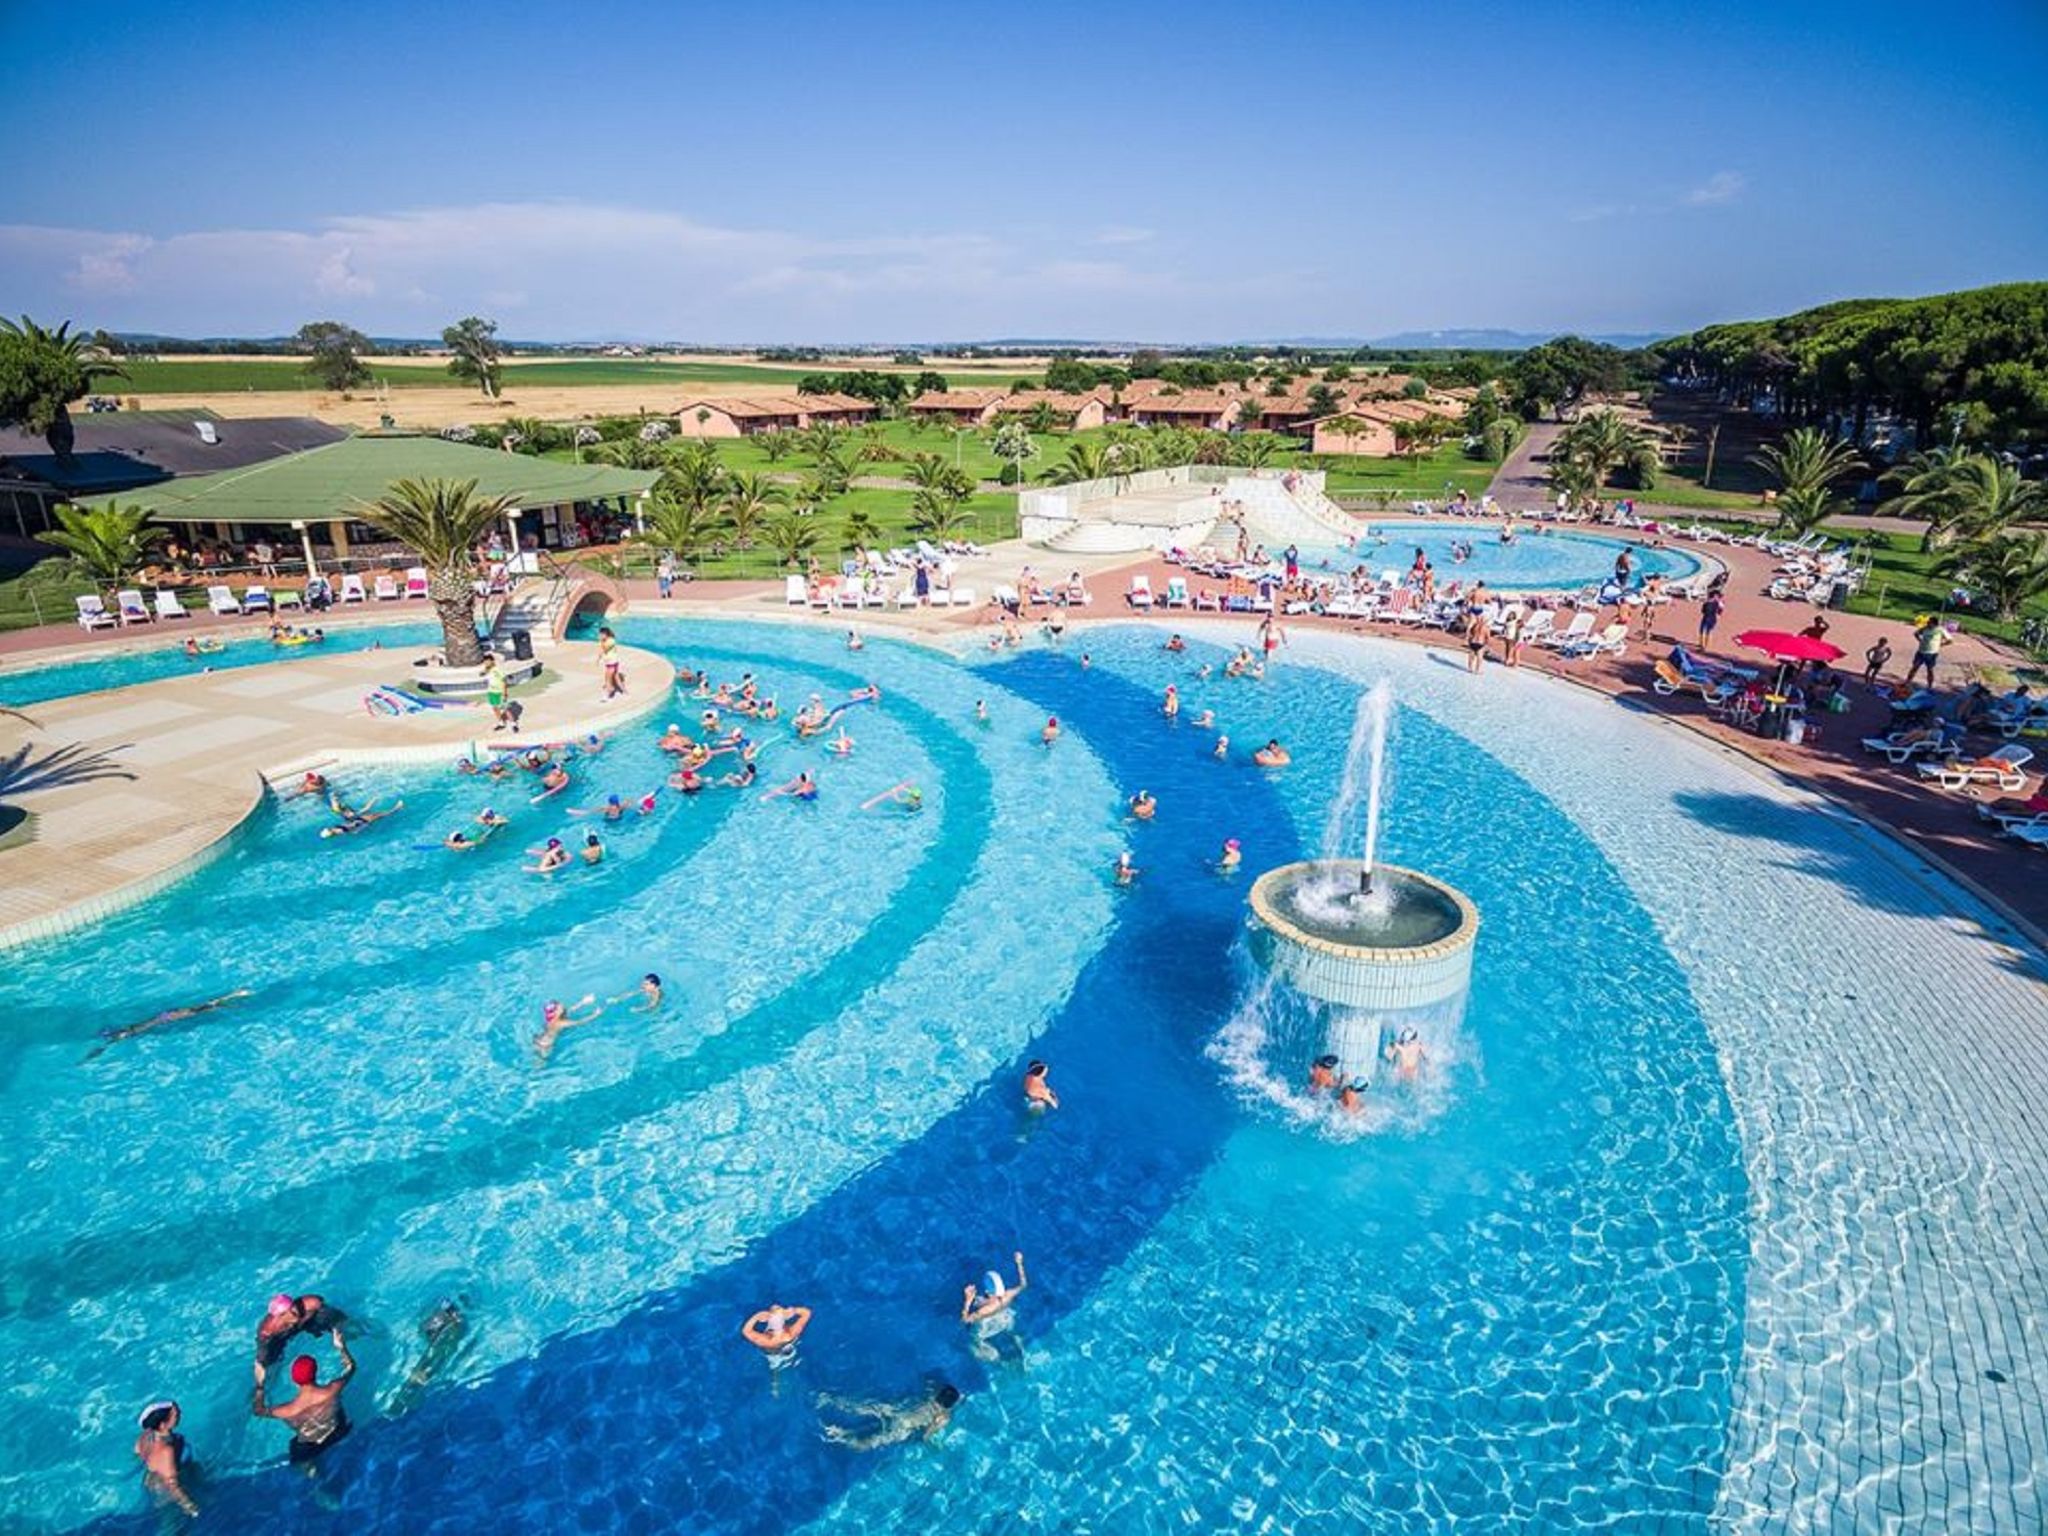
(2011, 569)
(693, 476)
(746, 502)
(441, 522)
(1083, 461)
(1807, 459)
(526, 434)
(792, 537)
(936, 515)
(1258, 449)
(1601, 442)
(875, 447)
(629, 453)
(1249, 414)
(107, 544)
(775, 446)
(834, 473)
(1965, 495)
(681, 528)
(859, 530)
(1803, 510)
(50, 369)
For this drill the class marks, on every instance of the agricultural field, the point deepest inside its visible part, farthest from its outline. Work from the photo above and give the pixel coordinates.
(240, 375)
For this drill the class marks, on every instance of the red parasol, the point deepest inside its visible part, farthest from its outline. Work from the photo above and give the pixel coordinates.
(1781, 645)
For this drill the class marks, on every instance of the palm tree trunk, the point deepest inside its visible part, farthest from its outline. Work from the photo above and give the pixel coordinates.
(456, 611)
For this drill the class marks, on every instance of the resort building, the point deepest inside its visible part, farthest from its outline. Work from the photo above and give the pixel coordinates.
(286, 499)
(126, 450)
(1065, 412)
(1205, 410)
(959, 407)
(755, 414)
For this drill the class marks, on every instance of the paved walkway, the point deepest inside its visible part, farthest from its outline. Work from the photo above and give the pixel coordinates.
(186, 760)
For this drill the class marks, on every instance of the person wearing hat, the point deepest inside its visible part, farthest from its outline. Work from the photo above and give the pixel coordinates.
(1038, 1094)
(985, 1309)
(161, 1450)
(1230, 858)
(289, 1316)
(774, 1331)
(314, 1410)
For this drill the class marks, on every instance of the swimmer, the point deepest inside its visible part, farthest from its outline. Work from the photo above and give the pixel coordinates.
(311, 784)
(592, 851)
(460, 841)
(1051, 733)
(444, 1329)
(168, 1016)
(1406, 1053)
(1222, 749)
(491, 819)
(314, 1411)
(161, 1450)
(1143, 806)
(357, 821)
(981, 711)
(552, 783)
(1322, 1074)
(1086, 661)
(1038, 1094)
(906, 794)
(1348, 1098)
(287, 1317)
(649, 993)
(686, 781)
(1272, 755)
(1204, 672)
(1171, 707)
(1206, 720)
(871, 694)
(613, 809)
(1125, 871)
(894, 1422)
(555, 1017)
(549, 857)
(191, 646)
(673, 740)
(774, 1331)
(840, 745)
(1231, 857)
(802, 787)
(645, 804)
(854, 641)
(743, 779)
(1174, 643)
(985, 1309)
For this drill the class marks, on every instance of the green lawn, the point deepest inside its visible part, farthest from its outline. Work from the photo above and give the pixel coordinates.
(1672, 491)
(1400, 480)
(42, 594)
(215, 376)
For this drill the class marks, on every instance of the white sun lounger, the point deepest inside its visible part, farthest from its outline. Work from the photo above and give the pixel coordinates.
(1140, 595)
(1177, 592)
(352, 589)
(794, 592)
(386, 587)
(221, 600)
(2007, 770)
(168, 606)
(1580, 628)
(132, 608)
(92, 613)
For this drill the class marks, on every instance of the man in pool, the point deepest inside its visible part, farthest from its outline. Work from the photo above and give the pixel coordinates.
(548, 858)
(1230, 858)
(802, 787)
(894, 1422)
(985, 1308)
(905, 794)
(289, 1316)
(1406, 1054)
(161, 1450)
(592, 851)
(649, 993)
(613, 809)
(1143, 806)
(552, 783)
(314, 1411)
(1174, 643)
(1222, 748)
(1038, 1094)
(774, 1330)
(1322, 1074)
(1272, 755)
(359, 821)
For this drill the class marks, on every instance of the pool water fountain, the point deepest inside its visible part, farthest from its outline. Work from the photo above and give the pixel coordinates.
(1364, 961)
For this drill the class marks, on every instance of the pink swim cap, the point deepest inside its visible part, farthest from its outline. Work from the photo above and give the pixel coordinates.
(280, 1304)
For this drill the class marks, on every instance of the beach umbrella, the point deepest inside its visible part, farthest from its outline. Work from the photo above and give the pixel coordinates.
(1785, 648)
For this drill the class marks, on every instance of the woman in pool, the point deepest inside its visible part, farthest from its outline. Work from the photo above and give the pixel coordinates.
(593, 850)
(840, 745)
(906, 794)
(686, 780)
(985, 1309)
(1322, 1074)
(492, 819)
(802, 787)
(1272, 755)
(354, 821)
(1406, 1053)
(1175, 643)
(1205, 721)
(774, 1331)
(556, 1017)
(311, 784)
(1125, 870)
(1231, 857)
(1051, 733)
(1222, 750)
(613, 809)
(161, 1450)
(1348, 1098)
(548, 858)
(673, 740)
(552, 783)
(1143, 806)
(1171, 708)
(894, 1422)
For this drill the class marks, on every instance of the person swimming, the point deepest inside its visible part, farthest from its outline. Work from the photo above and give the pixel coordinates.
(1206, 720)
(445, 1331)
(1051, 732)
(1348, 1097)
(841, 745)
(491, 819)
(1125, 870)
(1231, 857)
(744, 778)
(613, 809)
(905, 794)
(648, 991)
(981, 711)
(312, 784)
(854, 641)
(893, 1423)
(1221, 749)
(802, 787)
(1272, 755)
(162, 1452)
(286, 1317)
(1322, 1074)
(552, 783)
(555, 1017)
(1038, 1094)
(774, 1330)
(1143, 806)
(986, 1308)
(1174, 643)
(1171, 706)
(1406, 1053)
(592, 851)
(168, 1016)
(549, 857)
(354, 821)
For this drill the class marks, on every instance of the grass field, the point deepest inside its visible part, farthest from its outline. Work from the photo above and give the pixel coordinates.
(44, 593)
(262, 375)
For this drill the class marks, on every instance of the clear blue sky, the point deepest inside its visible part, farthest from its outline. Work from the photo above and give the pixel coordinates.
(763, 172)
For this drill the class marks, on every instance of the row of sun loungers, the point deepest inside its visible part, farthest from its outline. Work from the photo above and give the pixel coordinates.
(131, 608)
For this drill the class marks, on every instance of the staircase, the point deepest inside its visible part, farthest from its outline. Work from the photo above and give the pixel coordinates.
(541, 605)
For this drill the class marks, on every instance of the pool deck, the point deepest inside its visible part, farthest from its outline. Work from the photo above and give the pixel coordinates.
(191, 758)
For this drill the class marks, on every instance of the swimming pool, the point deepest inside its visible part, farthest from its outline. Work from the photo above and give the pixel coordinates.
(1521, 1301)
(123, 668)
(1538, 559)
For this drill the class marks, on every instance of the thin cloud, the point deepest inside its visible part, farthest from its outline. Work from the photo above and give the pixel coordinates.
(1124, 234)
(1721, 187)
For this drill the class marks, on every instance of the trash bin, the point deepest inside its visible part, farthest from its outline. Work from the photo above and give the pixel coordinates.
(1838, 595)
(522, 645)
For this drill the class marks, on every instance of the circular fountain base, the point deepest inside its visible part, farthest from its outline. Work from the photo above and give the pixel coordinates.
(1371, 961)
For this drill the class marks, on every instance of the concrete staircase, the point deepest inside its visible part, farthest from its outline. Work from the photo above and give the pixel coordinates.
(1277, 516)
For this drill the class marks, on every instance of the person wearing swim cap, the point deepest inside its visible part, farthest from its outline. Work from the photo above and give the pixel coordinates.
(1406, 1053)
(491, 819)
(1125, 870)
(1051, 733)
(1171, 708)
(1143, 806)
(314, 1411)
(161, 1450)
(1231, 857)
(1272, 755)
(287, 1317)
(548, 858)
(774, 1331)
(893, 1423)
(985, 1309)
(1038, 1094)
(1348, 1098)
(1222, 749)
(1322, 1074)
(557, 1016)
(906, 794)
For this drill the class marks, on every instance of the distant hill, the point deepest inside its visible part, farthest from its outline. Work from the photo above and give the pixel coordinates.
(1498, 341)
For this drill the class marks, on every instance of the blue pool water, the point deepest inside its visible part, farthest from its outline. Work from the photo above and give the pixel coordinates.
(1535, 561)
(1515, 1301)
(122, 669)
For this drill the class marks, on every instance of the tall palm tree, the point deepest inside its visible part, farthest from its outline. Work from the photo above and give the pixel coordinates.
(1806, 459)
(56, 368)
(834, 471)
(442, 522)
(746, 502)
(1965, 496)
(2011, 569)
(1601, 442)
(630, 453)
(107, 544)
(681, 528)
(693, 476)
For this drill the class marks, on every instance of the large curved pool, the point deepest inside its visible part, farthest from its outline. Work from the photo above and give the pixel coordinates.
(1512, 1296)
(1539, 558)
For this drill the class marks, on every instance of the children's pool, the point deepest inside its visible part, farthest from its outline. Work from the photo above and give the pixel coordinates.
(37, 684)
(1537, 559)
(1510, 1297)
